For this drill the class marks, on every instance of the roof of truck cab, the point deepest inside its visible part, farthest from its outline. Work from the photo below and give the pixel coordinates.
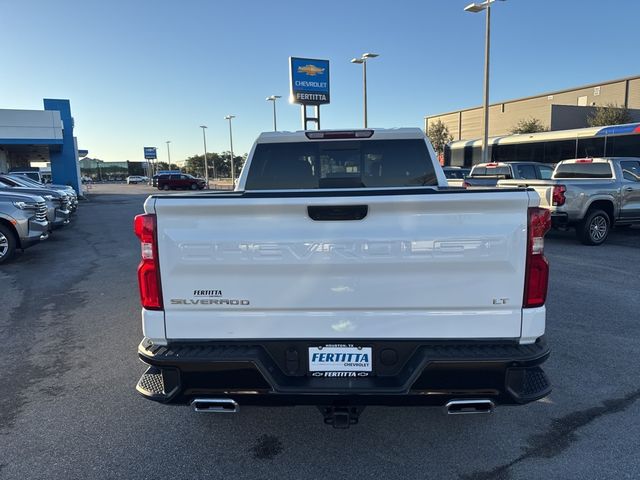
(597, 159)
(378, 134)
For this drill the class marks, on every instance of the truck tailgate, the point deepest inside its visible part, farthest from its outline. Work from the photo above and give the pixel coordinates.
(433, 266)
(544, 188)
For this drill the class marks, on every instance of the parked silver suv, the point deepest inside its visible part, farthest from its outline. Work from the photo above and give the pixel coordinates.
(23, 222)
(57, 203)
(28, 182)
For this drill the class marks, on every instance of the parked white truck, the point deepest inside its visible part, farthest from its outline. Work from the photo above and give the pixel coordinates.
(341, 273)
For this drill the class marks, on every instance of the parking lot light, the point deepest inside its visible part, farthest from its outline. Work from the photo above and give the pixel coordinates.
(233, 174)
(273, 98)
(206, 166)
(363, 60)
(477, 8)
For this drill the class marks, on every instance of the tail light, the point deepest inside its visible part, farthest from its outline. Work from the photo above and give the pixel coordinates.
(536, 277)
(558, 197)
(144, 227)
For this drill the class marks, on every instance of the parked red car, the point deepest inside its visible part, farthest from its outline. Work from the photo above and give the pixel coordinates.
(182, 181)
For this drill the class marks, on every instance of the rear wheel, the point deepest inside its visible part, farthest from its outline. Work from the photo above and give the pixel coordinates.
(7, 244)
(595, 227)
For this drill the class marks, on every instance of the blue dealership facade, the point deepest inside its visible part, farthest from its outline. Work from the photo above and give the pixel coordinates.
(28, 136)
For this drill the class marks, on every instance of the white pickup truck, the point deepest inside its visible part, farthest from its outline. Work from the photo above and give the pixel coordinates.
(341, 273)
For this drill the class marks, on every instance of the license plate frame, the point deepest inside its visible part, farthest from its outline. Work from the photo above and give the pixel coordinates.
(340, 360)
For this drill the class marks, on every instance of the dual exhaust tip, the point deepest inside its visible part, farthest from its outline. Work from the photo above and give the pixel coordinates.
(454, 407)
(467, 407)
(215, 405)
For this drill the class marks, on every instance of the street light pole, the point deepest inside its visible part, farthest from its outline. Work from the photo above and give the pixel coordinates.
(476, 8)
(233, 173)
(273, 98)
(206, 164)
(363, 61)
(485, 129)
(169, 153)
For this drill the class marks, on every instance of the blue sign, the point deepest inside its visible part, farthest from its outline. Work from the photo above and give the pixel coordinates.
(309, 81)
(150, 153)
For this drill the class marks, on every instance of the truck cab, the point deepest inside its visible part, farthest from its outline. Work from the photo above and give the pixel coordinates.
(488, 174)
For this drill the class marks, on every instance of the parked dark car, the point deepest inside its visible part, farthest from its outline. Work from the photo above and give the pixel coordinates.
(154, 179)
(180, 181)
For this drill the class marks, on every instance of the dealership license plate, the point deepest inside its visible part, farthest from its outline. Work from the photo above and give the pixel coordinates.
(340, 361)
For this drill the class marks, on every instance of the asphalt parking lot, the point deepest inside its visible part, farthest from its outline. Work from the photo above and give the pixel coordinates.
(70, 324)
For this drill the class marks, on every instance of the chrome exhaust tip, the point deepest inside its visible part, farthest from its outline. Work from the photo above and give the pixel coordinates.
(467, 407)
(215, 405)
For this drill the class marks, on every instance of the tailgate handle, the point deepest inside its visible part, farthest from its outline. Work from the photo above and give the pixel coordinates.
(338, 212)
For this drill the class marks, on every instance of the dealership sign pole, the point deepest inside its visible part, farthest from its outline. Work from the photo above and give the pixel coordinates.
(150, 154)
(309, 83)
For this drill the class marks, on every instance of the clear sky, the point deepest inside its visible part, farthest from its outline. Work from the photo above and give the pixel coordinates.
(140, 72)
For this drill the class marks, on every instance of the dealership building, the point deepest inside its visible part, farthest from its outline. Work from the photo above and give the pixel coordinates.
(41, 136)
(559, 110)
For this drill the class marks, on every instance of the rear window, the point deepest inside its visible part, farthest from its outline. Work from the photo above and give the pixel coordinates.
(506, 171)
(32, 175)
(341, 164)
(457, 173)
(526, 171)
(545, 172)
(583, 170)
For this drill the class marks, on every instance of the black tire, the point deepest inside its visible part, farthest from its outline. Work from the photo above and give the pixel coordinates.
(166, 187)
(194, 186)
(594, 228)
(8, 244)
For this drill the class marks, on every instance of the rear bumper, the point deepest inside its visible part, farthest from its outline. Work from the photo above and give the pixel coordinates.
(275, 373)
(559, 220)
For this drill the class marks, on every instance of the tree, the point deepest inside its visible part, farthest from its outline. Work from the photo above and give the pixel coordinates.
(529, 125)
(195, 165)
(238, 162)
(218, 163)
(609, 114)
(439, 136)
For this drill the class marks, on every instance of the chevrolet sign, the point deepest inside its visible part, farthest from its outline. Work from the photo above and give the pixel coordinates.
(309, 81)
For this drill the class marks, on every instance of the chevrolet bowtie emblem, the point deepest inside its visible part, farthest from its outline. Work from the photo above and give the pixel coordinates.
(310, 70)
